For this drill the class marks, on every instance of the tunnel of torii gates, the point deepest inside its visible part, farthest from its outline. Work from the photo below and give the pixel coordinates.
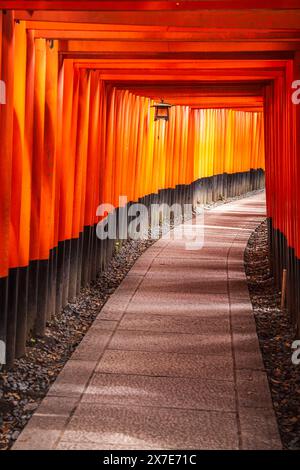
(77, 129)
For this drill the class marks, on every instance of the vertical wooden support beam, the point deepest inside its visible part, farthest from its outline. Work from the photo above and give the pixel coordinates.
(92, 165)
(59, 242)
(67, 176)
(283, 289)
(29, 119)
(81, 169)
(39, 228)
(20, 213)
(50, 161)
(76, 242)
(6, 139)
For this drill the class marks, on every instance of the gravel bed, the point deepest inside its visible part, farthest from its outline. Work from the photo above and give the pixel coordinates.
(276, 336)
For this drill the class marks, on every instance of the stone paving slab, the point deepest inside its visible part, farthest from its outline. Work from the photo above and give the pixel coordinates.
(174, 324)
(172, 361)
(196, 286)
(168, 300)
(258, 429)
(185, 308)
(166, 392)
(219, 366)
(156, 427)
(170, 342)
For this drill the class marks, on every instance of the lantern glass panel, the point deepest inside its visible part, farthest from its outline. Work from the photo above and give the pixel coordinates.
(162, 112)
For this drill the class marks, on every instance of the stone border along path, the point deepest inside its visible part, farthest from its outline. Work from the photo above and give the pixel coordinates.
(172, 361)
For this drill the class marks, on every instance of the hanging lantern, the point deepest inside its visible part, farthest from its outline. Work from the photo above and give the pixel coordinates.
(161, 110)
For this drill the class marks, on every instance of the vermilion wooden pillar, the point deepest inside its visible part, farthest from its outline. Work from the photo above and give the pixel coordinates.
(92, 169)
(49, 166)
(29, 119)
(6, 136)
(8, 306)
(67, 176)
(57, 240)
(20, 213)
(39, 226)
(81, 169)
(76, 242)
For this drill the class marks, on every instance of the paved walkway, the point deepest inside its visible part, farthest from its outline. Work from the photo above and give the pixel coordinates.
(172, 361)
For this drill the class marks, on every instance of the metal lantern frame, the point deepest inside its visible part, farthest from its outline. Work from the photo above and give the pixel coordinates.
(161, 111)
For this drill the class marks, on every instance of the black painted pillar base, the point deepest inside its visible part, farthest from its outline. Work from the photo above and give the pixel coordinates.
(73, 269)
(42, 301)
(12, 308)
(22, 309)
(32, 295)
(59, 276)
(3, 309)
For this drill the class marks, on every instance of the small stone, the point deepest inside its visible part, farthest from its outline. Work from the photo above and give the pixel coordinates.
(31, 406)
(15, 435)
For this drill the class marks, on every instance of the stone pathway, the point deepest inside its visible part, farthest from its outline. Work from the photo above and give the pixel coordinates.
(173, 360)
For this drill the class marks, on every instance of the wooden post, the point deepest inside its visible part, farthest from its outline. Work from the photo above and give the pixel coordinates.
(283, 289)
